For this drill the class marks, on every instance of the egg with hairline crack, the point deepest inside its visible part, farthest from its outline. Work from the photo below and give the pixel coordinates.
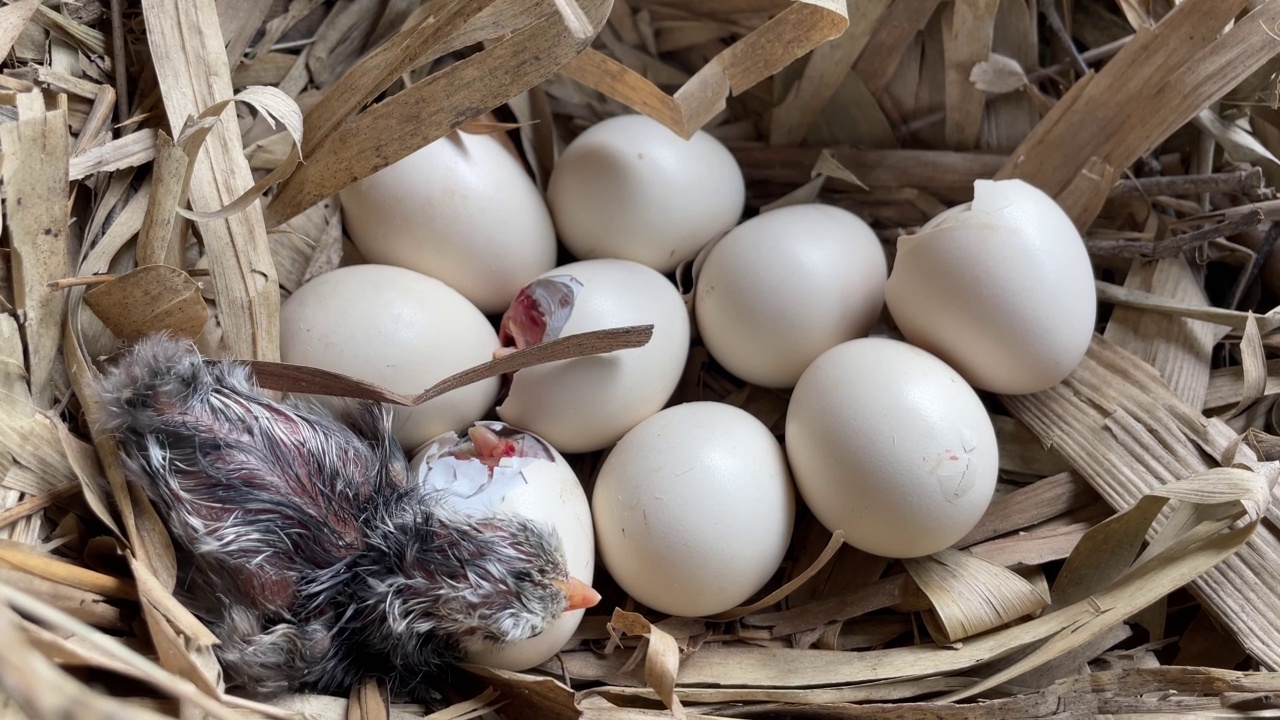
(890, 445)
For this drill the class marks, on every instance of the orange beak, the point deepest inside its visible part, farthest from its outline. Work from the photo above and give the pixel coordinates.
(581, 595)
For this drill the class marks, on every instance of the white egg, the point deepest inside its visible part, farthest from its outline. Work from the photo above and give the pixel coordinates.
(462, 209)
(694, 509)
(628, 187)
(787, 285)
(889, 444)
(399, 329)
(1001, 289)
(535, 483)
(587, 404)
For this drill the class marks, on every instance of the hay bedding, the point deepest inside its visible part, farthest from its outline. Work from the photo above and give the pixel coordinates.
(1129, 565)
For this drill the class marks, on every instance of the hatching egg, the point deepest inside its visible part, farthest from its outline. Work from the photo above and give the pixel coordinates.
(588, 403)
(495, 468)
(399, 329)
(785, 286)
(1001, 289)
(890, 445)
(630, 188)
(462, 209)
(694, 509)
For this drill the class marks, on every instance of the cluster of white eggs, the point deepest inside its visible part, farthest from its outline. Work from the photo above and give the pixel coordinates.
(693, 508)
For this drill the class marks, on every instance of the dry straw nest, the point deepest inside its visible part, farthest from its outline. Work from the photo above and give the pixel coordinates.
(1131, 563)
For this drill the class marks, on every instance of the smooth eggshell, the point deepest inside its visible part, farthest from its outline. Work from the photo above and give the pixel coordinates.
(462, 209)
(889, 444)
(542, 490)
(694, 509)
(587, 404)
(787, 285)
(399, 329)
(1001, 289)
(630, 188)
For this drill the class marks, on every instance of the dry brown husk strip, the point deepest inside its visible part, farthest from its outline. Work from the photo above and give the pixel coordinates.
(1166, 148)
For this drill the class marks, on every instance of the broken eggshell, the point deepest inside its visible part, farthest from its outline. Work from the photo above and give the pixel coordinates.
(588, 403)
(519, 474)
(1001, 289)
(630, 188)
(889, 444)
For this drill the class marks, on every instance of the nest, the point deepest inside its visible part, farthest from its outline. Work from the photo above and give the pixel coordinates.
(172, 165)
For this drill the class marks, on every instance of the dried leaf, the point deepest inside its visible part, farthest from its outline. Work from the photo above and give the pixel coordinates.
(27, 435)
(467, 709)
(160, 239)
(968, 28)
(42, 689)
(1129, 437)
(801, 27)
(661, 657)
(971, 595)
(152, 298)
(826, 69)
(368, 701)
(193, 77)
(777, 596)
(341, 152)
(1234, 319)
(1166, 75)
(274, 106)
(315, 381)
(1253, 362)
(36, 149)
(19, 556)
(13, 19)
(132, 150)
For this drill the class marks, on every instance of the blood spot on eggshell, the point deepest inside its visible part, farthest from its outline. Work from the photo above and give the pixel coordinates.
(955, 473)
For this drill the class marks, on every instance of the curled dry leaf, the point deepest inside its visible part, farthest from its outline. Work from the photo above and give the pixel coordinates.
(661, 657)
(274, 106)
(149, 299)
(971, 595)
(485, 702)
(1253, 361)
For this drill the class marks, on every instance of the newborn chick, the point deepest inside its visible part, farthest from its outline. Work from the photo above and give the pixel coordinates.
(301, 543)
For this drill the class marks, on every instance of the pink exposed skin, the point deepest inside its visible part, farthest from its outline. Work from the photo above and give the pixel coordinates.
(537, 314)
(486, 446)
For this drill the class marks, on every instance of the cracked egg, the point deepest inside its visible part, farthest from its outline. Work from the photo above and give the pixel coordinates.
(494, 467)
(890, 444)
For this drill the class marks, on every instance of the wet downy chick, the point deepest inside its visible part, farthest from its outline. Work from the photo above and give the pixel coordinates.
(302, 545)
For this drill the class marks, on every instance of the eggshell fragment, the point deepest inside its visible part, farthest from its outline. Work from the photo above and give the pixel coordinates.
(535, 483)
(462, 209)
(587, 404)
(785, 286)
(399, 329)
(630, 188)
(1001, 289)
(694, 509)
(889, 444)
